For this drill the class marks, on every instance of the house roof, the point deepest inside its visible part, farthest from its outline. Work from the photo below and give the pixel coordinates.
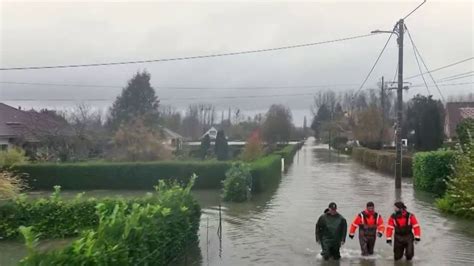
(170, 134)
(212, 136)
(455, 112)
(27, 124)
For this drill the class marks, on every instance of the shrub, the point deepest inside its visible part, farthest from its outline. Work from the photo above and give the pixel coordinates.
(12, 157)
(383, 161)
(205, 146)
(151, 232)
(253, 148)
(465, 132)
(431, 170)
(10, 185)
(135, 141)
(237, 185)
(459, 197)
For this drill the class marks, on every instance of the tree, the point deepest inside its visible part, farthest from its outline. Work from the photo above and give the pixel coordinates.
(323, 115)
(367, 128)
(10, 185)
(205, 146)
(425, 117)
(136, 142)
(138, 99)
(278, 124)
(465, 132)
(221, 146)
(253, 147)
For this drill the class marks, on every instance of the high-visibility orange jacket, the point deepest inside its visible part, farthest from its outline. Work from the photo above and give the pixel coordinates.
(403, 224)
(367, 220)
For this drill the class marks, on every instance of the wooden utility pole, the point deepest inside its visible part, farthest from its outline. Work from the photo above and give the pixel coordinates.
(382, 100)
(398, 162)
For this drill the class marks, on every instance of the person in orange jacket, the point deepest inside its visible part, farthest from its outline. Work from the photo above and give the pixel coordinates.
(407, 232)
(370, 225)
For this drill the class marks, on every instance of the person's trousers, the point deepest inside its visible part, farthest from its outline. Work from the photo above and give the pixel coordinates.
(330, 250)
(404, 244)
(367, 243)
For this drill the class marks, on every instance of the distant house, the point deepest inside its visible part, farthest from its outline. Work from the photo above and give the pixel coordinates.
(455, 113)
(27, 128)
(172, 138)
(212, 132)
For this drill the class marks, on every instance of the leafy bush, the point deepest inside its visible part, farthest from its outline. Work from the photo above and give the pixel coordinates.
(12, 157)
(459, 197)
(383, 161)
(10, 185)
(253, 147)
(465, 132)
(431, 170)
(150, 232)
(237, 185)
(134, 141)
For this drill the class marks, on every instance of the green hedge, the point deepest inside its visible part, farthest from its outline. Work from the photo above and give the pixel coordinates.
(151, 231)
(144, 175)
(130, 175)
(55, 217)
(265, 172)
(383, 161)
(431, 170)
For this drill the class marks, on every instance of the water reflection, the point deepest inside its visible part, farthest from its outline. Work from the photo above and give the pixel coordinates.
(277, 228)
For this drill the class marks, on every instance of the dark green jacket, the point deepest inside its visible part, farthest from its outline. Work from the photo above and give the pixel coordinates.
(331, 228)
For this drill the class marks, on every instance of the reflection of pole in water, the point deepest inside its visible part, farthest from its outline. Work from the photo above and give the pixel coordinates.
(207, 241)
(219, 231)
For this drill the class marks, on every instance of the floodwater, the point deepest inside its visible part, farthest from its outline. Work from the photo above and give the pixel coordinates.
(277, 227)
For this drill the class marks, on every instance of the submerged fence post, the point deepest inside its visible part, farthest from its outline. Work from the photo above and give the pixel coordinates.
(282, 165)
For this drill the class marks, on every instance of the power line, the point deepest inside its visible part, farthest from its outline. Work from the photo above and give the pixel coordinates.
(443, 67)
(445, 85)
(187, 57)
(374, 65)
(163, 99)
(456, 78)
(418, 63)
(460, 74)
(414, 10)
(183, 88)
(423, 61)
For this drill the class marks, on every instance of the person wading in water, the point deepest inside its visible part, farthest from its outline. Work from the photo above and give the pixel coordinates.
(370, 225)
(407, 231)
(331, 230)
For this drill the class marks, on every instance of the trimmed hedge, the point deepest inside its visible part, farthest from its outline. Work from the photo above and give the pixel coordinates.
(265, 172)
(129, 175)
(381, 160)
(144, 175)
(432, 169)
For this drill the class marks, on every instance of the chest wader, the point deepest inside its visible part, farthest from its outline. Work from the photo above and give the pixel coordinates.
(404, 239)
(367, 235)
(331, 242)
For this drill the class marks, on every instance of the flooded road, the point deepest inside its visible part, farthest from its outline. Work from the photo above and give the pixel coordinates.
(277, 227)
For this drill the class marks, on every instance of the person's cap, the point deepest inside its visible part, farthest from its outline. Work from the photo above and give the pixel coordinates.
(370, 204)
(400, 205)
(332, 206)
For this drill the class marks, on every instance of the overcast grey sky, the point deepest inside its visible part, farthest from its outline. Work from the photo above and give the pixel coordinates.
(77, 32)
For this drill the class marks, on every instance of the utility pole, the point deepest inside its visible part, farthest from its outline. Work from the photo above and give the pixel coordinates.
(382, 99)
(398, 162)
